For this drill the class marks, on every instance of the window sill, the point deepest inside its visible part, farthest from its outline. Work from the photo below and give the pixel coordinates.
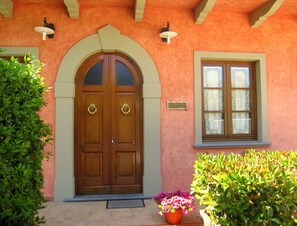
(232, 144)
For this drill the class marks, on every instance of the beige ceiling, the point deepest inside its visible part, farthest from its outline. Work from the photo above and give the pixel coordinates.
(259, 10)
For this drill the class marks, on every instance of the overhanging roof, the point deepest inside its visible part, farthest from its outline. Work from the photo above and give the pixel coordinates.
(257, 10)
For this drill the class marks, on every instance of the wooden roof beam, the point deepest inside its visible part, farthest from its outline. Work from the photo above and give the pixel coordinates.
(6, 8)
(202, 10)
(73, 8)
(259, 15)
(139, 10)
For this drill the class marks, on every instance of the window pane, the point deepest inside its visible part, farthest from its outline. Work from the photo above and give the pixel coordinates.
(213, 100)
(212, 77)
(241, 123)
(240, 77)
(94, 75)
(123, 75)
(214, 123)
(240, 100)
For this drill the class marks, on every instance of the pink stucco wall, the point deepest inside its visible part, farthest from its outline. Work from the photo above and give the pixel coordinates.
(222, 31)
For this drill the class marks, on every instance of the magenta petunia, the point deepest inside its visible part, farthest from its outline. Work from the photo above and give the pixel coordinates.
(170, 202)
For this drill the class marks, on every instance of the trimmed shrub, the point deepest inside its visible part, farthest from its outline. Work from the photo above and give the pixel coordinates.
(23, 135)
(253, 188)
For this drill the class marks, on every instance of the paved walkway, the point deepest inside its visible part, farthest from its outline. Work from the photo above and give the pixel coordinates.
(96, 214)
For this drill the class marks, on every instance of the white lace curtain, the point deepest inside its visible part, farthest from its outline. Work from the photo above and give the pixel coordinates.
(213, 82)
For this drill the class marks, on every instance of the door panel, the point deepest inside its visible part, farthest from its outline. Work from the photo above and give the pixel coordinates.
(91, 167)
(125, 166)
(93, 126)
(108, 126)
(91, 139)
(126, 151)
(126, 119)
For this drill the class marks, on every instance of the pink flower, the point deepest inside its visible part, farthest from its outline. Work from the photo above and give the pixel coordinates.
(167, 210)
(175, 205)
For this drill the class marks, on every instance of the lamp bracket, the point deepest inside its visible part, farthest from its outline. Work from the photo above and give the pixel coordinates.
(49, 25)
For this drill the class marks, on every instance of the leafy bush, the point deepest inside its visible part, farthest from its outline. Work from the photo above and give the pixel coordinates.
(23, 135)
(253, 188)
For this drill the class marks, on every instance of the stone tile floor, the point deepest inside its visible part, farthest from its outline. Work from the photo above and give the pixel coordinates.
(96, 214)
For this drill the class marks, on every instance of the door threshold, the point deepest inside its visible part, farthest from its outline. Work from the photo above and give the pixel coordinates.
(106, 197)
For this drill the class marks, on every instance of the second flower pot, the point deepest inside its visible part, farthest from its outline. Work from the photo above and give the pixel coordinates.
(174, 218)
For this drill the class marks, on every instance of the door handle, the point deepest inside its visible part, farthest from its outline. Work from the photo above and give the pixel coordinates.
(112, 140)
(92, 109)
(125, 109)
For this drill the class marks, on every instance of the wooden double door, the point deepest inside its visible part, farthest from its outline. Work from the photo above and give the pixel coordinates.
(108, 126)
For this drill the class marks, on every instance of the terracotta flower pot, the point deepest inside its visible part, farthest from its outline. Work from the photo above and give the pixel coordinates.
(174, 218)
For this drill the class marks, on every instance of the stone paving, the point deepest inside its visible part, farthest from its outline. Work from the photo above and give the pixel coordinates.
(96, 214)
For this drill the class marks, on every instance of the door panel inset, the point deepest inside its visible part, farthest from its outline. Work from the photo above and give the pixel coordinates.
(93, 129)
(126, 165)
(91, 163)
(126, 119)
(108, 126)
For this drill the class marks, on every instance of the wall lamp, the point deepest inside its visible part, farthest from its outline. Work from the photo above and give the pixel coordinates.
(47, 29)
(166, 34)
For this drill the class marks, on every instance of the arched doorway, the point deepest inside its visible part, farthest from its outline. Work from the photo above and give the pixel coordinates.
(107, 40)
(108, 126)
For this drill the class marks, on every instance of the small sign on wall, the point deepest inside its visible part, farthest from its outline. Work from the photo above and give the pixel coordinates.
(177, 105)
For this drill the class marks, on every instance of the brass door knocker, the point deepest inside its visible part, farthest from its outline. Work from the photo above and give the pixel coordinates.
(92, 109)
(125, 109)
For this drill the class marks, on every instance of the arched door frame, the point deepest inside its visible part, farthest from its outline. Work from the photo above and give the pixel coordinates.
(108, 39)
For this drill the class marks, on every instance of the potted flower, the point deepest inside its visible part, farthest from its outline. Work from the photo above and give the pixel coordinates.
(252, 188)
(174, 204)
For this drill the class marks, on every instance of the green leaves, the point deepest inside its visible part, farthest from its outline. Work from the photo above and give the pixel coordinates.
(254, 188)
(23, 135)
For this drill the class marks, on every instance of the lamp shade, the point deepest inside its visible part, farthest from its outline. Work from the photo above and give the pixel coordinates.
(168, 35)
(48, 29)
(44, 31)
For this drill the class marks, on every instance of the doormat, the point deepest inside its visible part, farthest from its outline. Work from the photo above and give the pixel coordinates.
(127, 203)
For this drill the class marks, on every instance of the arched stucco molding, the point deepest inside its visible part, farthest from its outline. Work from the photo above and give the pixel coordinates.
(108, 39)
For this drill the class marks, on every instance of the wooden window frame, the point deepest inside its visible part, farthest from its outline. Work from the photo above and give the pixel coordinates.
(259, 59)
(227, 102)
(20, 58)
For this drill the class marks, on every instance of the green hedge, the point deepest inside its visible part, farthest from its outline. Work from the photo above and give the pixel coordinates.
(23, 135)
(253, 188)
